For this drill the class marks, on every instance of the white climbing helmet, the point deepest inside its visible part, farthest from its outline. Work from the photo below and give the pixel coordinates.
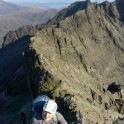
(50, 106)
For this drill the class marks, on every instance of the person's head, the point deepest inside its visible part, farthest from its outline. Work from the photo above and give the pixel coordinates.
(49, 110)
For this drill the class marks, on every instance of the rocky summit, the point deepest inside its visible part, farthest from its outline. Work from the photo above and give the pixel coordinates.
(79, 61)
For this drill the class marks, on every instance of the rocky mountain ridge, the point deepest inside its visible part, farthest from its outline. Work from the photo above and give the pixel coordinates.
(85, 52)
(72, 9)
(79, 61)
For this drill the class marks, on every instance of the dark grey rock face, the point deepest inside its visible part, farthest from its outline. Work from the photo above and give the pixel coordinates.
(12, 36)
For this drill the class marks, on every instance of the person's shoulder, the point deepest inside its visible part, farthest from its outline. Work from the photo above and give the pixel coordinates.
(59, 114)
(34, 120)
(60, 118)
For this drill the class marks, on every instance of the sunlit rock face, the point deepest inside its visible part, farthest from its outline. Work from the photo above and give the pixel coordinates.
(86, 52)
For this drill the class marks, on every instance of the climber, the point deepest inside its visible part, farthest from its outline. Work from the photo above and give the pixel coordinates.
(47, 114)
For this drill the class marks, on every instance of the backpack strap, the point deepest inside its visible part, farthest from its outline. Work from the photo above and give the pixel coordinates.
(55, 119)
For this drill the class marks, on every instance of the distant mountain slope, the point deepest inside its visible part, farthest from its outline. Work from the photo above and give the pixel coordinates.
(34, 16)
(14, 20)
(6, 7)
